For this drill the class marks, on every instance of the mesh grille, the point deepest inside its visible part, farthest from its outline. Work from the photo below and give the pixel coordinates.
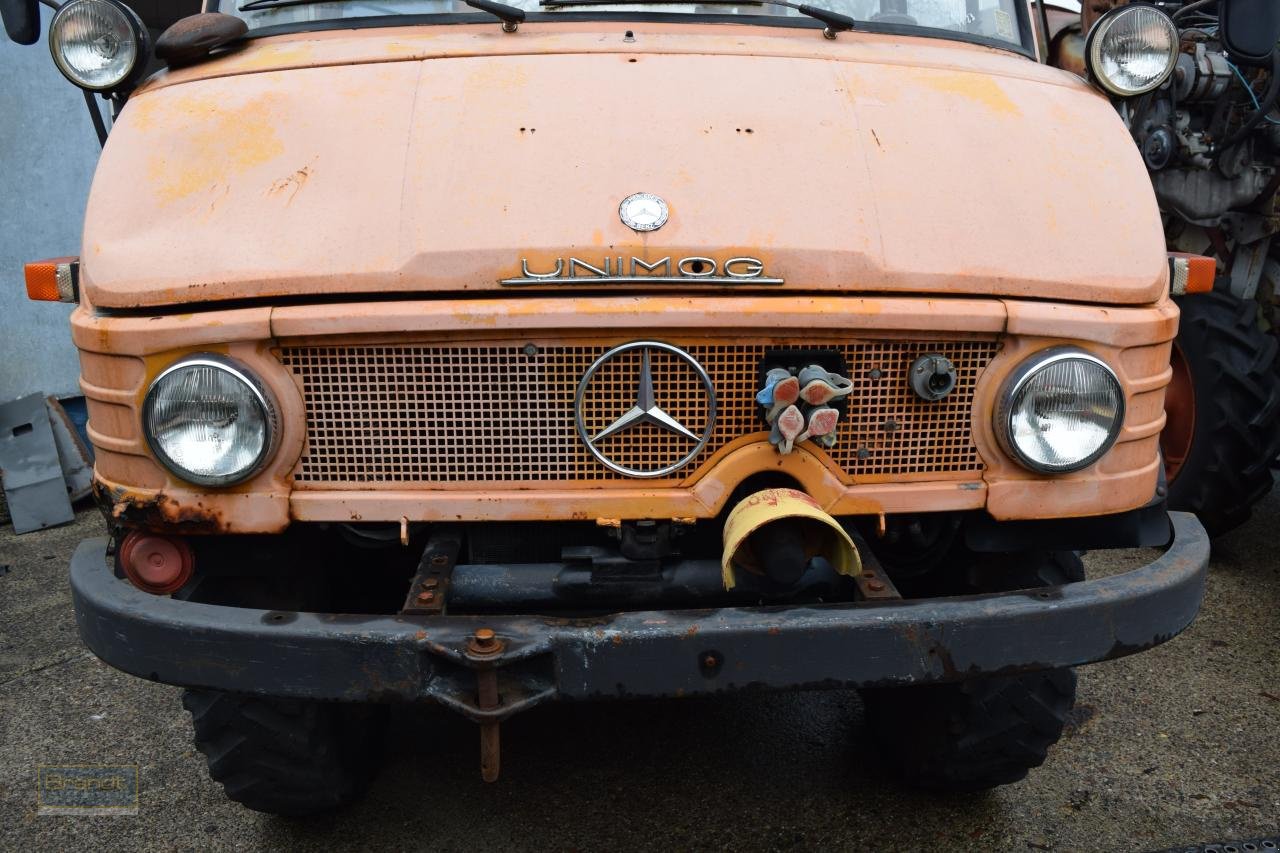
(427, 414)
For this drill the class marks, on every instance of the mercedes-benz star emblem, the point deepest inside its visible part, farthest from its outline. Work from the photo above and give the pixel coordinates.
(643, 212)
(646, 410)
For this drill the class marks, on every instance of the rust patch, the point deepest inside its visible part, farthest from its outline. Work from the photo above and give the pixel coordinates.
(159, 513)
(290, 184)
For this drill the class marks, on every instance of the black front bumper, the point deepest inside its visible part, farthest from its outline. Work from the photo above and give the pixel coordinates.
(645, 653)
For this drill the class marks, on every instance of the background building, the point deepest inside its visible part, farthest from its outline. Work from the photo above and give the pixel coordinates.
(47, 155)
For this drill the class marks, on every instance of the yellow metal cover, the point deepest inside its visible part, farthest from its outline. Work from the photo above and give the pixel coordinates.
(771, 505)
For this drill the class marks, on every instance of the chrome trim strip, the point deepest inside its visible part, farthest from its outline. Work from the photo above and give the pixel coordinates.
(639, 279)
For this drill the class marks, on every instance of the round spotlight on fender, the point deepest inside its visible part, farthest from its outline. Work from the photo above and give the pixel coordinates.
(1060, 411)
(210, 421)
(160, 565)
(1132, 49)
(100, 45)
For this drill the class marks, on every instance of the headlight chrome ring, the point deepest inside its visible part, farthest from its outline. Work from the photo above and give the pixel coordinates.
(230, 407)
(1089, 417)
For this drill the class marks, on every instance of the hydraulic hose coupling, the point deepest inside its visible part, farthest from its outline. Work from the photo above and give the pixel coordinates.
(779, 533)
(797, 405)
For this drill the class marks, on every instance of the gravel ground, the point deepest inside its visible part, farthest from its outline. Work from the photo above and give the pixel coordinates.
(1173, 746)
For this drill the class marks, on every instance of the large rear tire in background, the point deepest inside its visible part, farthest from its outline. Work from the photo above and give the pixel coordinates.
(286, 757)
(1223, 406)
(982, 732)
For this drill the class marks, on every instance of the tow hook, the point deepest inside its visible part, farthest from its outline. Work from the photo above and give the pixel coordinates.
(483, 645)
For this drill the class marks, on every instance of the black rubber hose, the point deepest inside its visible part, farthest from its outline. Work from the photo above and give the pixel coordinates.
(1192, 7)
(1269, 101)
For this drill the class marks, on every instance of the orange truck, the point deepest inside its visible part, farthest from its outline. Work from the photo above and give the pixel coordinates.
(494, 354)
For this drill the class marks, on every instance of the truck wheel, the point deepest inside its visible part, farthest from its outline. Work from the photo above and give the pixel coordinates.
(286, 757)
(1223, 405)
(983, 732)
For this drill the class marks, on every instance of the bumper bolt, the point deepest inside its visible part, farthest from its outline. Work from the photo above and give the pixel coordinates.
(426, 597)
(710, 663)
(484, 643)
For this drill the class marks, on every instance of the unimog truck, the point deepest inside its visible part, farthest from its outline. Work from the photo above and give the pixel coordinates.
(488, 355)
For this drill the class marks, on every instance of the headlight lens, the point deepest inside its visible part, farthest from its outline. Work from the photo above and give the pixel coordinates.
(1132, 49)
(96, 44)
(1060, 411)
(209, 421)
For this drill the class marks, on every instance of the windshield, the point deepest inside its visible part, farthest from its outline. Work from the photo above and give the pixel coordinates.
(985, 19)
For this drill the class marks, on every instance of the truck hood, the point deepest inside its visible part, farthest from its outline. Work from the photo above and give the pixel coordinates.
(447, 159)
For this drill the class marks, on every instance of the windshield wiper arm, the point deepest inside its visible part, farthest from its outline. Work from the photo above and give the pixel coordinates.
(835, 22)
(511, 16)
(253, 5)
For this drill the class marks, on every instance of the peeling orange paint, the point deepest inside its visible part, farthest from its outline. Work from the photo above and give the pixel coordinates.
(980, 88)
(224, 141)
(276, 56)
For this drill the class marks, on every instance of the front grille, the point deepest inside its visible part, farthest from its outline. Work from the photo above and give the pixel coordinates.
(400, 415)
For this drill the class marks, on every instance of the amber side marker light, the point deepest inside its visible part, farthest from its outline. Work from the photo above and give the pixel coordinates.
(53, 280)
(156, 564)
(1191, 273)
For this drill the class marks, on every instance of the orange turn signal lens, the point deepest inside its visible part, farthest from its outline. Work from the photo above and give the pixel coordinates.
(1191, 273)
(54, 280)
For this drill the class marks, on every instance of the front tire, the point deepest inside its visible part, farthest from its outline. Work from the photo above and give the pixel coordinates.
(1219, 444)
(983, 732)
(973, 735)
(286, 757)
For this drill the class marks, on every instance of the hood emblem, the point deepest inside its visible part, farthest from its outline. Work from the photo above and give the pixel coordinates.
(643, 212)
(663, 443)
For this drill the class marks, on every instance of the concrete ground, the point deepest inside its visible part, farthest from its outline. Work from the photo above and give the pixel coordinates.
(1178, 745)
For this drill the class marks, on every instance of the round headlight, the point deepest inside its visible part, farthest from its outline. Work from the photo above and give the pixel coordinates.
(1132, 49)
(98, 44)
(1060, 411)
(209, 421)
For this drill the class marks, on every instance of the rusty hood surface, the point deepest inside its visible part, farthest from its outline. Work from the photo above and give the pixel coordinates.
(433, 160)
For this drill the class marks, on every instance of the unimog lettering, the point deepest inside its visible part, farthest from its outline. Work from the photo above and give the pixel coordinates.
(620, 269)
